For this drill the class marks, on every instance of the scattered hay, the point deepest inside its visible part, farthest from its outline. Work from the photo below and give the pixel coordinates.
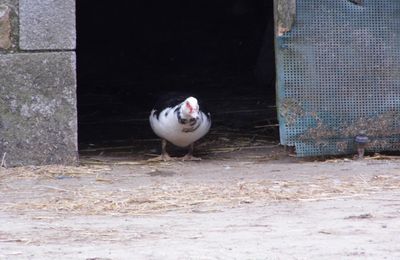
(52, 171)
(163, 197)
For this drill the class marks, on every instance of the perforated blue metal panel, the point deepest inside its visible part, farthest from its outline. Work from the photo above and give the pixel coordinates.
(338, 75)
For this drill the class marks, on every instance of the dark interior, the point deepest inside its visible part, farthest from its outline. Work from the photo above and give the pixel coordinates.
(130, 52)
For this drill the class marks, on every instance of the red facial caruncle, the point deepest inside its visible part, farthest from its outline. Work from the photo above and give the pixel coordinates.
(189, 107)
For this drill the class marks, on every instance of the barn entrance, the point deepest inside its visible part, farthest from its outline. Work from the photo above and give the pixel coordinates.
(130, 52)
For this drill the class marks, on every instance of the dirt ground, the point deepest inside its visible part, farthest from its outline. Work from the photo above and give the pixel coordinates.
(240, 207)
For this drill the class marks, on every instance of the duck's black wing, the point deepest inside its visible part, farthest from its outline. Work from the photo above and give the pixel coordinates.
(169, 100)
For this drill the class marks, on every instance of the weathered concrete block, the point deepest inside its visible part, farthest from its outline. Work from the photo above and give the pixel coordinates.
(38, 117)
(47, 24)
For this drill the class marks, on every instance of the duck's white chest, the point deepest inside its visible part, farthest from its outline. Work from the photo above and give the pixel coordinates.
(167, 126)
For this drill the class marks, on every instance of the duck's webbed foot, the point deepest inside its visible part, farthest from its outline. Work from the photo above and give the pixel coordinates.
(164, 155)
(189, 156)
(162, 158)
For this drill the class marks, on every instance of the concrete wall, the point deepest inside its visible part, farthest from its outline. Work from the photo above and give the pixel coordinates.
(38, 117)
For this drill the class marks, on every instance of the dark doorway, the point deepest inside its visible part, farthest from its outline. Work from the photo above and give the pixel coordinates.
(130, 52)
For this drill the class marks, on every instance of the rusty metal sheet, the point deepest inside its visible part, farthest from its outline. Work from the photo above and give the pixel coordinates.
(338, 75)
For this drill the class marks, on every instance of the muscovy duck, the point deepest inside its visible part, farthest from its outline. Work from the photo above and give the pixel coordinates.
(179, 121)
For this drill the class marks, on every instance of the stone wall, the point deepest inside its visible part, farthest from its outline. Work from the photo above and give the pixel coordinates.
(38, 117)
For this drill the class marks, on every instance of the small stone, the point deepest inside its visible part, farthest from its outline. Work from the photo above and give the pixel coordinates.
(5, 27)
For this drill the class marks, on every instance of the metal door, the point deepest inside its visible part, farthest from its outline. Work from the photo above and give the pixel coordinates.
(338, 75)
